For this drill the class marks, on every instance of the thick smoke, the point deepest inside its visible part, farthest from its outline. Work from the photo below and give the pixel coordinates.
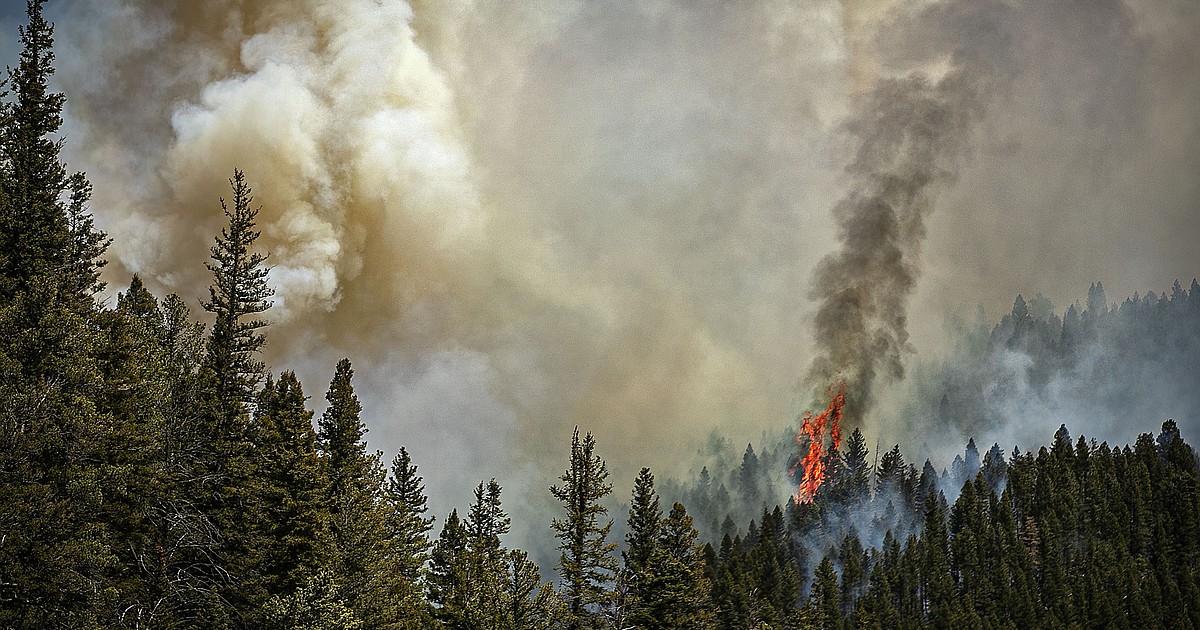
(508, 215)
(519, 217)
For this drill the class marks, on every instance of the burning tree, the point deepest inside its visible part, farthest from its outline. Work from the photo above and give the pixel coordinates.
(819, 438)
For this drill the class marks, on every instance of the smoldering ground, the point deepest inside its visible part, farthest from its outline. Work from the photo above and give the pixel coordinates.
(519, 217)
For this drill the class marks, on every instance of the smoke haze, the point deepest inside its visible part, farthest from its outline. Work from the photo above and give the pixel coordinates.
(518, 217)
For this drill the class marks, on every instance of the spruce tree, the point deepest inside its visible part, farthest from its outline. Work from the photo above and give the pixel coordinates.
(237, 296)
(357, 511)
(641, 542)
(407, 547)
(586, 563)
(290, 542)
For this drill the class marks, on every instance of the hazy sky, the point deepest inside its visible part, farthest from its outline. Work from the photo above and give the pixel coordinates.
(515, 218)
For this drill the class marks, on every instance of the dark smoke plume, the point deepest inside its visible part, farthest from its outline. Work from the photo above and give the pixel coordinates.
(911, 131)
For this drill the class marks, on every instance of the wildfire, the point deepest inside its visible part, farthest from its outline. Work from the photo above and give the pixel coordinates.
(819, 437)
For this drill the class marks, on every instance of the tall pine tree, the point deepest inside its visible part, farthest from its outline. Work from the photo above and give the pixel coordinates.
(586, 563)
(354, 499)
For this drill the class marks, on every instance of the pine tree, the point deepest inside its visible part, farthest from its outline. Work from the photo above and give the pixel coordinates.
(854, 484)
(314, 606)
(41, 235)
(449, 575)
(222, 459)
(54, 560)
(678, 591)
(528, 604)
(937, 586)
(487, 597)
(58, 566)
(357, 512)
(586, 563)
(645, 519)
(407, 546)
(291, 542)
(825, 600)
(239, 293)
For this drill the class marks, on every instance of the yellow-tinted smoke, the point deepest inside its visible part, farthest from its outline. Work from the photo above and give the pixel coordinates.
(508, 227)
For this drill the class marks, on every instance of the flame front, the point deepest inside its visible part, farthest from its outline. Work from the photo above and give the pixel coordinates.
(818, 439)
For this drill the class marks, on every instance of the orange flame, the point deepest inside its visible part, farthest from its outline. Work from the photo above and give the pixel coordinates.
(819, 439)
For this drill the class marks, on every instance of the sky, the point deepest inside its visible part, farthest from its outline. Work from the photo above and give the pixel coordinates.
(639, 218)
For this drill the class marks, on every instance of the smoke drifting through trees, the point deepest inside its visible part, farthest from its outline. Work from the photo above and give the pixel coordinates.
(518, 217)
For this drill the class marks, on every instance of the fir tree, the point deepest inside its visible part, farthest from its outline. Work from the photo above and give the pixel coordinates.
(357, 511)
(645, 519)
(586, 563)
(407, 546)
(238, 294)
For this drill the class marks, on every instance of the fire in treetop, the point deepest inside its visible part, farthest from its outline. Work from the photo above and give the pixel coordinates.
(818, 439)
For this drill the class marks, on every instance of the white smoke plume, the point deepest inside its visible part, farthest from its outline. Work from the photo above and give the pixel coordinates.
(518, 217)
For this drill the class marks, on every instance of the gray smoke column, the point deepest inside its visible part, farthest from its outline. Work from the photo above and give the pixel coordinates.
(911, 134)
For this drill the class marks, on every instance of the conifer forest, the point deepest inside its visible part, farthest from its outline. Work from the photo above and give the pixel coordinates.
(162, 465)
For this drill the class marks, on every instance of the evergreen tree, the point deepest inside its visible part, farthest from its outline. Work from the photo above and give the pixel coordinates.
(854, 484)
(290, 542)
(58, 561)
(239, 293)
(825, 601)
(645, 519)
(408, 547)
(357, 512)
(449, 588)
(489, 602)
(586, 563)
(678, 591)
(314, 606)
(41, 234)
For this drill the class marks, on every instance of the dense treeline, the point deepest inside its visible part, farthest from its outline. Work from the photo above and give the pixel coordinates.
(155, 474)
(1099, 361)
(1076, 535)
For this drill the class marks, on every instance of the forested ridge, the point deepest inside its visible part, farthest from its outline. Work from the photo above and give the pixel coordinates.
(154, 473)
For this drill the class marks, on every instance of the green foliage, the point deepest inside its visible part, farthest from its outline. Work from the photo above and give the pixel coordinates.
(45, 229)
(314, 606)
(288, 538)
(586, 563)
(642, 541)
(354, 499)
(407, 546)
(146, 481)
(677, 591)
(238, 294)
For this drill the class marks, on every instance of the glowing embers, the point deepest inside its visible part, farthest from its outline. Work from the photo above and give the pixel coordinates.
(818, 439)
